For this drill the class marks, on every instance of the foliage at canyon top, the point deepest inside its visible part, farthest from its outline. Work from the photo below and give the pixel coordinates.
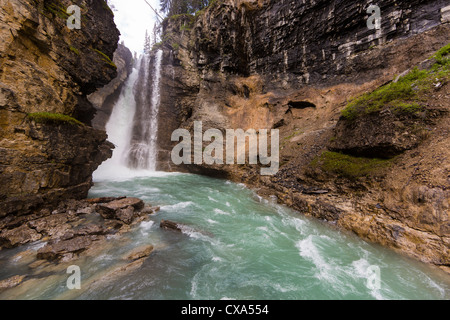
(173, 7)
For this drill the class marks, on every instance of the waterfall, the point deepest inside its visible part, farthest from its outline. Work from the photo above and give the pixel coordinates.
(133, 124)
(156, 100)
(143, 149)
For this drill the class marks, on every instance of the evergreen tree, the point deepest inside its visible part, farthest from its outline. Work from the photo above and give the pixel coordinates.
(173, 7)
(156, 32)
(147, 43)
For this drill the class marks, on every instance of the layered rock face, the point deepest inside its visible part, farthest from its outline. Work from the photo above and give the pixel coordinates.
(48, 150)
(294, 66)
(106, 97)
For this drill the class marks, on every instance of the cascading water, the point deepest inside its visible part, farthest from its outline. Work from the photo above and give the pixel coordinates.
(133, 125)
(143, 149)
(119, 129)
(156, 99)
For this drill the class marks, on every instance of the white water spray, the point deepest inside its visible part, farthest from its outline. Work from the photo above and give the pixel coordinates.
(124, 118)
(156, 100)
(143, 149)
(145, 152)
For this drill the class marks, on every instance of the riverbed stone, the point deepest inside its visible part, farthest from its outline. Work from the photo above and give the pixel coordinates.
(126, 215)
(148, 209)
(18, 236)
(105, 211)
(90, 229)
(170, 225)
(139, 252)
(136, 203)
(103, 199)
(54, 225)
(57, 250)
(114, 209)
(11, 282)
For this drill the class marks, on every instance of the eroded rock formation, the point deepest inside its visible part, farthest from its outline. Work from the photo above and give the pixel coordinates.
(48, 150)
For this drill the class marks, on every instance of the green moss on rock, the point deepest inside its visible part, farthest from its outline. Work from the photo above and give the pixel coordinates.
(74, 50)
(53, 118)
(105, 58)
(349, 166)
(406, 93)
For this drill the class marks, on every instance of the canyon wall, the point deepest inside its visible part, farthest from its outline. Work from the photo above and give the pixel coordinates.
(48, 149)
(107, 96)
(294, 66)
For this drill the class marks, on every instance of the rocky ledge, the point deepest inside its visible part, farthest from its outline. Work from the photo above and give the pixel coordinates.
(74, 226)
(48, 148)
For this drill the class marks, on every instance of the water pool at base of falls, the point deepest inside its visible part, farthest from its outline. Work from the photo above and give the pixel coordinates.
(236, 246)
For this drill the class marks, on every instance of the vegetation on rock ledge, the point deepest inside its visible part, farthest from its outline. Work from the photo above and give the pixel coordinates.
(348, 166)
(406, 93)
(105, 58)
(177, 7)
(56, 118)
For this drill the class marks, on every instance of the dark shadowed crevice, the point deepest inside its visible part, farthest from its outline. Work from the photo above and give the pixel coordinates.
(301, 104)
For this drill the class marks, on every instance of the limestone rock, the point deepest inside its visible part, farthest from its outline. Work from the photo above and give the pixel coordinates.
(105, 211)
(170, 225)
(18, 236)
(103, 199)
(53, 225)
(11, 282)
(381, 134)
(138, 253)
(59, 249)
(48, 158)
(124, 209)
(90, 229)
(126, 215)
(136, 203)
(148, 209)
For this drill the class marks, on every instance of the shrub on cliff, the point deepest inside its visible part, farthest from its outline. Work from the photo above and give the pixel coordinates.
(405, 94)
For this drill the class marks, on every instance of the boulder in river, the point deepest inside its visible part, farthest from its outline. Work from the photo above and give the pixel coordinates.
(148, 209)
(126, 215)
(120, 209)
(170, 225)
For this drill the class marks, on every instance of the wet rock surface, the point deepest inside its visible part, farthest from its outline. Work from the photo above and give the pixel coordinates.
(170, 225)
(138, 253)
(72, 233)
(74, 226)
(11, 282)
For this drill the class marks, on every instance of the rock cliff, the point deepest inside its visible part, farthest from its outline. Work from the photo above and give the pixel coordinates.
(106, 97)
(48, 149)
(296, 66)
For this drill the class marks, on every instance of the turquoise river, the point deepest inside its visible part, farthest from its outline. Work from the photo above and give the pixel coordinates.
(236, 245)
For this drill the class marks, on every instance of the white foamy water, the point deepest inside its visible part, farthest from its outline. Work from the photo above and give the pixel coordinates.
(177, 206)
(146, 225)
(122, 120)
(221, 212)
(119, 128)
